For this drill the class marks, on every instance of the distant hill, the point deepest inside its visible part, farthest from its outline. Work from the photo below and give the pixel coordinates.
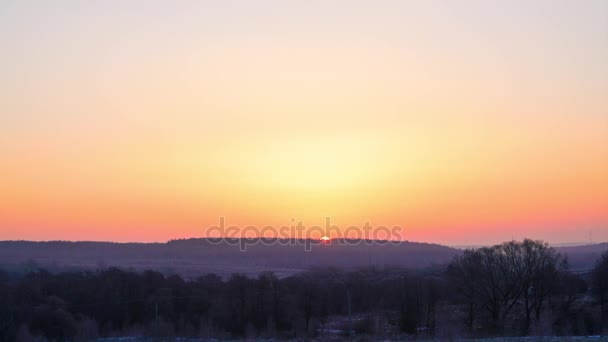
(194, 257)
(582, 258)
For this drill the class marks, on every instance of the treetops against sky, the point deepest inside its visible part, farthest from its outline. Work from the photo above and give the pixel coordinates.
(464, 123)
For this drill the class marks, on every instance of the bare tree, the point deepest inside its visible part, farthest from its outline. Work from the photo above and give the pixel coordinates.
(464, 274)
(501, 277)
(600, 284)
(542, 266)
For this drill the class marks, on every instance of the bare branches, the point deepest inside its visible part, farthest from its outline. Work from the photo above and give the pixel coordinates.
(505, 276)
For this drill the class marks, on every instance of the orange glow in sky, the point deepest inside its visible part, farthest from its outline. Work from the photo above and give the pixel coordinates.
(465, 123)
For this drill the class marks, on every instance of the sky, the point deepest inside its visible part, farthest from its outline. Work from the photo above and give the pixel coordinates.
(463, 122)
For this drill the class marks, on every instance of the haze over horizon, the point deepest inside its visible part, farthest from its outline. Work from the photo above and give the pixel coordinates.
(465, 123)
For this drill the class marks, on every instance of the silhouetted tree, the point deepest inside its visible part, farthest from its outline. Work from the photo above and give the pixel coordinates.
(600, 285)
(501, 277)
(464, 274)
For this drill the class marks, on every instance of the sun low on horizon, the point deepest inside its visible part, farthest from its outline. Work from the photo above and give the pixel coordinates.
(463, 122)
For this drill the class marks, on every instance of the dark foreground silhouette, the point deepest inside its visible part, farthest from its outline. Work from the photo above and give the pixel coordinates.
(512, 289)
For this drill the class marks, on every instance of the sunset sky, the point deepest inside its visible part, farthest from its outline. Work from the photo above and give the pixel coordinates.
(464, 122)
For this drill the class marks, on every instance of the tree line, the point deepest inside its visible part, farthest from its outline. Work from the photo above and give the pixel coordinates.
(511, 289)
